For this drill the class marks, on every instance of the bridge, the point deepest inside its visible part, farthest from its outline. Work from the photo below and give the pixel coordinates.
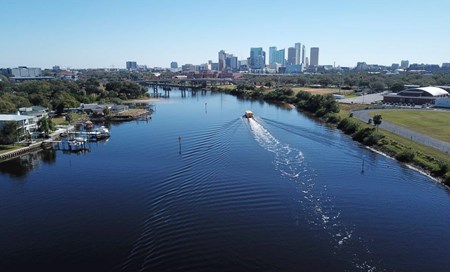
(190, 82)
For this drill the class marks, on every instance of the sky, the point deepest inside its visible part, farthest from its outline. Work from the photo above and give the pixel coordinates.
(107, 33)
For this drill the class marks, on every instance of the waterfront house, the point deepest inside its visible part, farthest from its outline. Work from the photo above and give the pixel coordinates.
(27, 124)
(97, 109)
(37, 111)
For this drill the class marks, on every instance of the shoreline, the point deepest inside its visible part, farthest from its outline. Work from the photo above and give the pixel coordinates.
(410, 166)
(149, 100)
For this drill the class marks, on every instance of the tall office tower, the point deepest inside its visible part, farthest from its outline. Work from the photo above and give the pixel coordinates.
(278, 57)
(231, 62)
(404, 64)
(222, 59)
(303, 54)
(257, 58)
(131, 65)
(272, 51)
(292, 56)
(314, 56)
(298, 49)
(173, 65)
(306, 62)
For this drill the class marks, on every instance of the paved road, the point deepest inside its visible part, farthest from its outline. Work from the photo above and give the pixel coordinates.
(363, 99)
(414, 136)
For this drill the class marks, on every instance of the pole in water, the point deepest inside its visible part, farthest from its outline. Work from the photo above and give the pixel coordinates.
(179, 144)
(206, 109)
(362, 168)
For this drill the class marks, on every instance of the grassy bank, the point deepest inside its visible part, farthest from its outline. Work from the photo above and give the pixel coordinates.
(426, 158)
(432, 123)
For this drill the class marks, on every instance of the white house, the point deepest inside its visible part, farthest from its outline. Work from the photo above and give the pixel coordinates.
(26, 123)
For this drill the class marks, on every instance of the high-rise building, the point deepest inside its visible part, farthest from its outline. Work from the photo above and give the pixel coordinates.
(303, 54)
(298, 49)
(222, 59)
(278, 57)
(257, 58)
(306, 62)
(131, 65)
(272, 51)
(292, 56)
(404, 64)
(314, 56)
(173, 65)
(231, 62)
(395, 66)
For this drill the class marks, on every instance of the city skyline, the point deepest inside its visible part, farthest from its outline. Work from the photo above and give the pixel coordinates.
(105, 34)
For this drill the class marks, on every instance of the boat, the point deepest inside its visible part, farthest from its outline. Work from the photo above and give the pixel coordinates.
(248, 114)
(100, 133)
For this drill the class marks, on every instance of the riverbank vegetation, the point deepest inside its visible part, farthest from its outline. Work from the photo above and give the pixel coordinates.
(328, 109)
(58, 94)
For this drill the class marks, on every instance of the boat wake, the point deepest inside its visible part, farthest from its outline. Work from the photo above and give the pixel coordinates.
(314, 202)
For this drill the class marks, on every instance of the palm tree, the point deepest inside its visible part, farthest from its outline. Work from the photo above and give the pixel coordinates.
(377, 120)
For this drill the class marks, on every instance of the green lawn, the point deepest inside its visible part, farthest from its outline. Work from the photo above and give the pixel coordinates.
(435, 124)
(7, 148)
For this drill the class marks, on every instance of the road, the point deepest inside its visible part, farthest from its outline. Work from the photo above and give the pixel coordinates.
(363, 99)
(414, 136)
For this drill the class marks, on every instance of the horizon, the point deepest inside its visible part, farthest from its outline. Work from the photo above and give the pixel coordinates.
(106, 34)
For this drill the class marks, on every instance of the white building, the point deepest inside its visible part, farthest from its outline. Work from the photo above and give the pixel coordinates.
(23, 71)
(26, 124)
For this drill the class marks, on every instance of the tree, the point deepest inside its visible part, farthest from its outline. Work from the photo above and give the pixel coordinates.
(9, 133)
(45, 125)
(69, 117)
(377, 120)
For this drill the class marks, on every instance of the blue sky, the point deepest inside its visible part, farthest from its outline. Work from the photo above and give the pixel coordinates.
(106, 33)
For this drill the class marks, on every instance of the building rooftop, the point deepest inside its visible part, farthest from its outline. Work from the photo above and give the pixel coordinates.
(14, 117)
(433, 91)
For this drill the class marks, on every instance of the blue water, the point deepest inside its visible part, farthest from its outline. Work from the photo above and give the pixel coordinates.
(278, 193)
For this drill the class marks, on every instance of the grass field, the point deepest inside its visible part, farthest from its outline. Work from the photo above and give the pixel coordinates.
(435, 124)
(322, 90)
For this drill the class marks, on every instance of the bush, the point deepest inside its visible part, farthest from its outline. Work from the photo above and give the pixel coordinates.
(320, 112)
(348, 126)
(407, 155)
(332, 118)
(441, 170)
(447, 179)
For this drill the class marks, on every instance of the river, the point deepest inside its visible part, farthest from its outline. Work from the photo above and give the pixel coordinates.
(199, 188)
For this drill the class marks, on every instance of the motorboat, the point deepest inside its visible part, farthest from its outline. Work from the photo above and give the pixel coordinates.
(100, 133)
(248, 114)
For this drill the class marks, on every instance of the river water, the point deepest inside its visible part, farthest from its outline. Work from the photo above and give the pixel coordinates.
(199, 188)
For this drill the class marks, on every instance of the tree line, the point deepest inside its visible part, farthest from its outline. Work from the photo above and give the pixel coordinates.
(354, 80)
(58, 94)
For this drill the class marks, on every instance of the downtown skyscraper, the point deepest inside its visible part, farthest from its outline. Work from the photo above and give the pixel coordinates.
(314, 56)
(257, 58)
